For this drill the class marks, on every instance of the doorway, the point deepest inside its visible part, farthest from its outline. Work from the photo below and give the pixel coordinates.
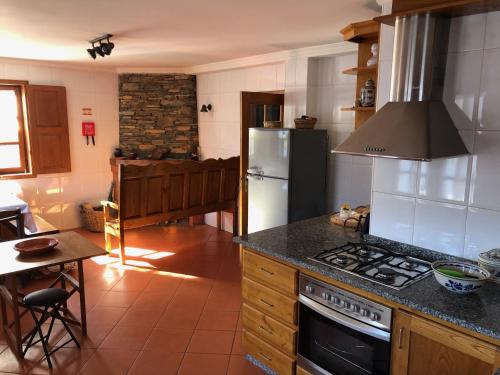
(256, 109)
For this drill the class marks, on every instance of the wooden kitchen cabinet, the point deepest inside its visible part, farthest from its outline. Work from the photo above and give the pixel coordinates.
(422, 347)
(269, 312)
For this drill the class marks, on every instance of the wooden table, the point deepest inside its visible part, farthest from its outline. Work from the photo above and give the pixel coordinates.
(72, 247)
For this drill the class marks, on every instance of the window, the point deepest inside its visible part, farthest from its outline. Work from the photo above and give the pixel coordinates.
(13, 155)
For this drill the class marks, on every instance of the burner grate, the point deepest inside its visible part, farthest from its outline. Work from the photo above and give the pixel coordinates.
(376, 264)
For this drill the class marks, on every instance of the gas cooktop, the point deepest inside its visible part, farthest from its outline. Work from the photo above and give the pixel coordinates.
(376, 264)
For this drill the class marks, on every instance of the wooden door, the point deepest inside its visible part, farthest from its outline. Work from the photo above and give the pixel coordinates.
(422, 347)
(256, 107)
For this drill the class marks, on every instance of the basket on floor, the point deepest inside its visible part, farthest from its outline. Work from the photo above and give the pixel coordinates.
(93, 218)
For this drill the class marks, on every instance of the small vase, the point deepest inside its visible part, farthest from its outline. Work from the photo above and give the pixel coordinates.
(367, 95)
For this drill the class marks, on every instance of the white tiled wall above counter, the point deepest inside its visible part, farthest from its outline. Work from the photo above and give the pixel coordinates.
(450, 205)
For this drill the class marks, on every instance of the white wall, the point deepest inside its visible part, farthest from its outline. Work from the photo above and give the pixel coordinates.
(450, 205)
(219, 130)
(329, 91)
(57, 197)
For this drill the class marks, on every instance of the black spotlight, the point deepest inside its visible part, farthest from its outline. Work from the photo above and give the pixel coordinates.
(101, 46)
(99, 51)
(107, 47)
(91, 52)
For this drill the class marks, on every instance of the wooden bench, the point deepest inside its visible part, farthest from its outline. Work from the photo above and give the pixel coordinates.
(158, 191)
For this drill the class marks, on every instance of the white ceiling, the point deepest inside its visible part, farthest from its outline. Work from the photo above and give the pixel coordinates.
(171, 33)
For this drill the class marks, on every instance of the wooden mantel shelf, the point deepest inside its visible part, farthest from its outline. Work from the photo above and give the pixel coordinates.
(360, 70)
(359, 32)
(454, 8)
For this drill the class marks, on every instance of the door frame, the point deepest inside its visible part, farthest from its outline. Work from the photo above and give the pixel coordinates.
(247, 99)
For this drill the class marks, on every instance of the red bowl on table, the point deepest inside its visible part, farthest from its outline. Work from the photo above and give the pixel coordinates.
(36, 246)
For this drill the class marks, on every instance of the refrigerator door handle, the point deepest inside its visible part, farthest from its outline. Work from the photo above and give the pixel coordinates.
(255, 170)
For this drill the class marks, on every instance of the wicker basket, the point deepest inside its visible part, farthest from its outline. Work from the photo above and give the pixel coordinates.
(305, 122)
(93, 217)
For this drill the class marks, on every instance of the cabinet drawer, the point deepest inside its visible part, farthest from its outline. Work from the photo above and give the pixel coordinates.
(272, 273)
(266, 354)
(270, 301)
(271, 330)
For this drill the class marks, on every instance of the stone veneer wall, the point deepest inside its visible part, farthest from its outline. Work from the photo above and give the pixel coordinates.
(158, 111)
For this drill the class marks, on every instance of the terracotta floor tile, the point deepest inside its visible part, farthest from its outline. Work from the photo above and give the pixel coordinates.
(155, 362)
(153, 300)
(64, 361)
(141, 317)
(214, 342)
(126, 337)
(206, 364)
(169, 341)
(96, 333)
(239, 326)
(238, 365)
(179, 319)
(218, 320)
(118, 299)
(106, 315)
(131, 284)
(237, 345)
(10, 362)
(109, 362)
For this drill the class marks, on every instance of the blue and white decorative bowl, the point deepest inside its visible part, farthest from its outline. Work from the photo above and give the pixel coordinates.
(473, 276)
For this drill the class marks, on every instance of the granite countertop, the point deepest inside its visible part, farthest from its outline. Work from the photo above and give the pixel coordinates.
(295, 242)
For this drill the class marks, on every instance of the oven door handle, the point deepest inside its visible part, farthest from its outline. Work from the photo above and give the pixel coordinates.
(345, 320)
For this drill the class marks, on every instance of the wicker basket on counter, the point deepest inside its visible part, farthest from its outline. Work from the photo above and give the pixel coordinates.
(93, 217)
(305, 122)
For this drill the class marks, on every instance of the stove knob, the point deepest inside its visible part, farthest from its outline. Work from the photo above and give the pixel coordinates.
(336, 300)
(354, 308)
(346, 304)
(326, 296)
(365, 312)
(375, 317)
(309, 289)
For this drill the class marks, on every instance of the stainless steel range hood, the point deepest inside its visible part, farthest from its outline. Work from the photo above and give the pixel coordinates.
(415, 124)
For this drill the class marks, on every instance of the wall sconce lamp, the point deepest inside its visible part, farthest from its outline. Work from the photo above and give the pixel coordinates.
(206, 108)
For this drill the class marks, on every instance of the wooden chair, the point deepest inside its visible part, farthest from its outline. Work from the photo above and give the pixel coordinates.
(6, 216)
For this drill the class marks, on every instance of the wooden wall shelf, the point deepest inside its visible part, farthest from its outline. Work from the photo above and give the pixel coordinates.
(361, 109)
(363, 33)
(360, 70)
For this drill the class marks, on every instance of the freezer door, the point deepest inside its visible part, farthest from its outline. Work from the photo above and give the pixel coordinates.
(269, 152)
(267, 203)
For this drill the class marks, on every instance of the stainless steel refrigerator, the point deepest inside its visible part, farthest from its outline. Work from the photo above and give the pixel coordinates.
(286, 176)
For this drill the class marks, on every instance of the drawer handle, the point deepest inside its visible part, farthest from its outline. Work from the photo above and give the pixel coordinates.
(266, 303)
(270, 273)
(265, 356)
(266, 330)
(400, 341)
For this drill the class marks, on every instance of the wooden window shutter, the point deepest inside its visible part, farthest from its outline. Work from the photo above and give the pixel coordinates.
(48, 123)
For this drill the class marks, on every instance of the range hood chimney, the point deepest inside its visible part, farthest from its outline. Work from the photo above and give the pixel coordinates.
(415, 123)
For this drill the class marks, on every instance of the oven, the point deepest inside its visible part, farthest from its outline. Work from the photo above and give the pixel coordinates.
(341, 333)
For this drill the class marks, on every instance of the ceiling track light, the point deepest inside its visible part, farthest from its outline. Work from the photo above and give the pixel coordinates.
(102, 49)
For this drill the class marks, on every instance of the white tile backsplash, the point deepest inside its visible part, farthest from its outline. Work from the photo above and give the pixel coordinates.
(467, 33)
(482, 232)
(462, 84)
(488, 113)
(485, 180)
(492, 37)
(392, 217)
(439, 226)
(395, 176)
(451, 204)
